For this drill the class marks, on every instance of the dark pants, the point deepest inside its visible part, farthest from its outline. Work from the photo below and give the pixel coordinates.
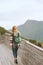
(14, 49)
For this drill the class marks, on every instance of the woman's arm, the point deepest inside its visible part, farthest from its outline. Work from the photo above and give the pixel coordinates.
(11, 40)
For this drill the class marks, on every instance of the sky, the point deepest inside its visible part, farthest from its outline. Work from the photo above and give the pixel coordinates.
(16, 12)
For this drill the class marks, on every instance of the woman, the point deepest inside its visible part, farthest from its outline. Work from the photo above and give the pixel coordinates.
(15, 42)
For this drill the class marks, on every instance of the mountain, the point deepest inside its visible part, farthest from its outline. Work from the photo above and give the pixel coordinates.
(32, 29)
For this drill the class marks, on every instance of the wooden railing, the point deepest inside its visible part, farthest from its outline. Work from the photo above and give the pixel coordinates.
(30, 54)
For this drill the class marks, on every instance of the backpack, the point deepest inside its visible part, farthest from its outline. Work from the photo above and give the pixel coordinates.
(16, 39)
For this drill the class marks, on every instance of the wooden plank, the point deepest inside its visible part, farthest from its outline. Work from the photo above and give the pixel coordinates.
(6, 56)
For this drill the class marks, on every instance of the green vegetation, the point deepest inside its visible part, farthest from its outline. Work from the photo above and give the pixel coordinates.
(32, 41)
(40, 44)
(3, 30)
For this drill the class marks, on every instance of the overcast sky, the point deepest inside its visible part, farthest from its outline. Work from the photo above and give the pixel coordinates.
(16, 12)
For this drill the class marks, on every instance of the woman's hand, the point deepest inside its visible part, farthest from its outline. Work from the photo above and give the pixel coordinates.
(19, 45)
(11, 41)
(11, 44)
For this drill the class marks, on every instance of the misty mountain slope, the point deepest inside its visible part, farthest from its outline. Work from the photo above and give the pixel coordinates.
(32, 29)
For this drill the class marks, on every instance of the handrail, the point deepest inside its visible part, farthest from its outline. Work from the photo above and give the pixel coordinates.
(39, 48)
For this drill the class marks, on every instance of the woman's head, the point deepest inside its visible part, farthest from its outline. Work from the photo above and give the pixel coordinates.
(14, 28)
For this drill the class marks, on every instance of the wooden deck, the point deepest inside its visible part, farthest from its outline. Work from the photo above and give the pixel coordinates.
(6, 56)
(30, 54)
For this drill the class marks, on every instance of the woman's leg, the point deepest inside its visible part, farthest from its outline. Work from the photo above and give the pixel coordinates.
(14, 49)
(15, 54)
